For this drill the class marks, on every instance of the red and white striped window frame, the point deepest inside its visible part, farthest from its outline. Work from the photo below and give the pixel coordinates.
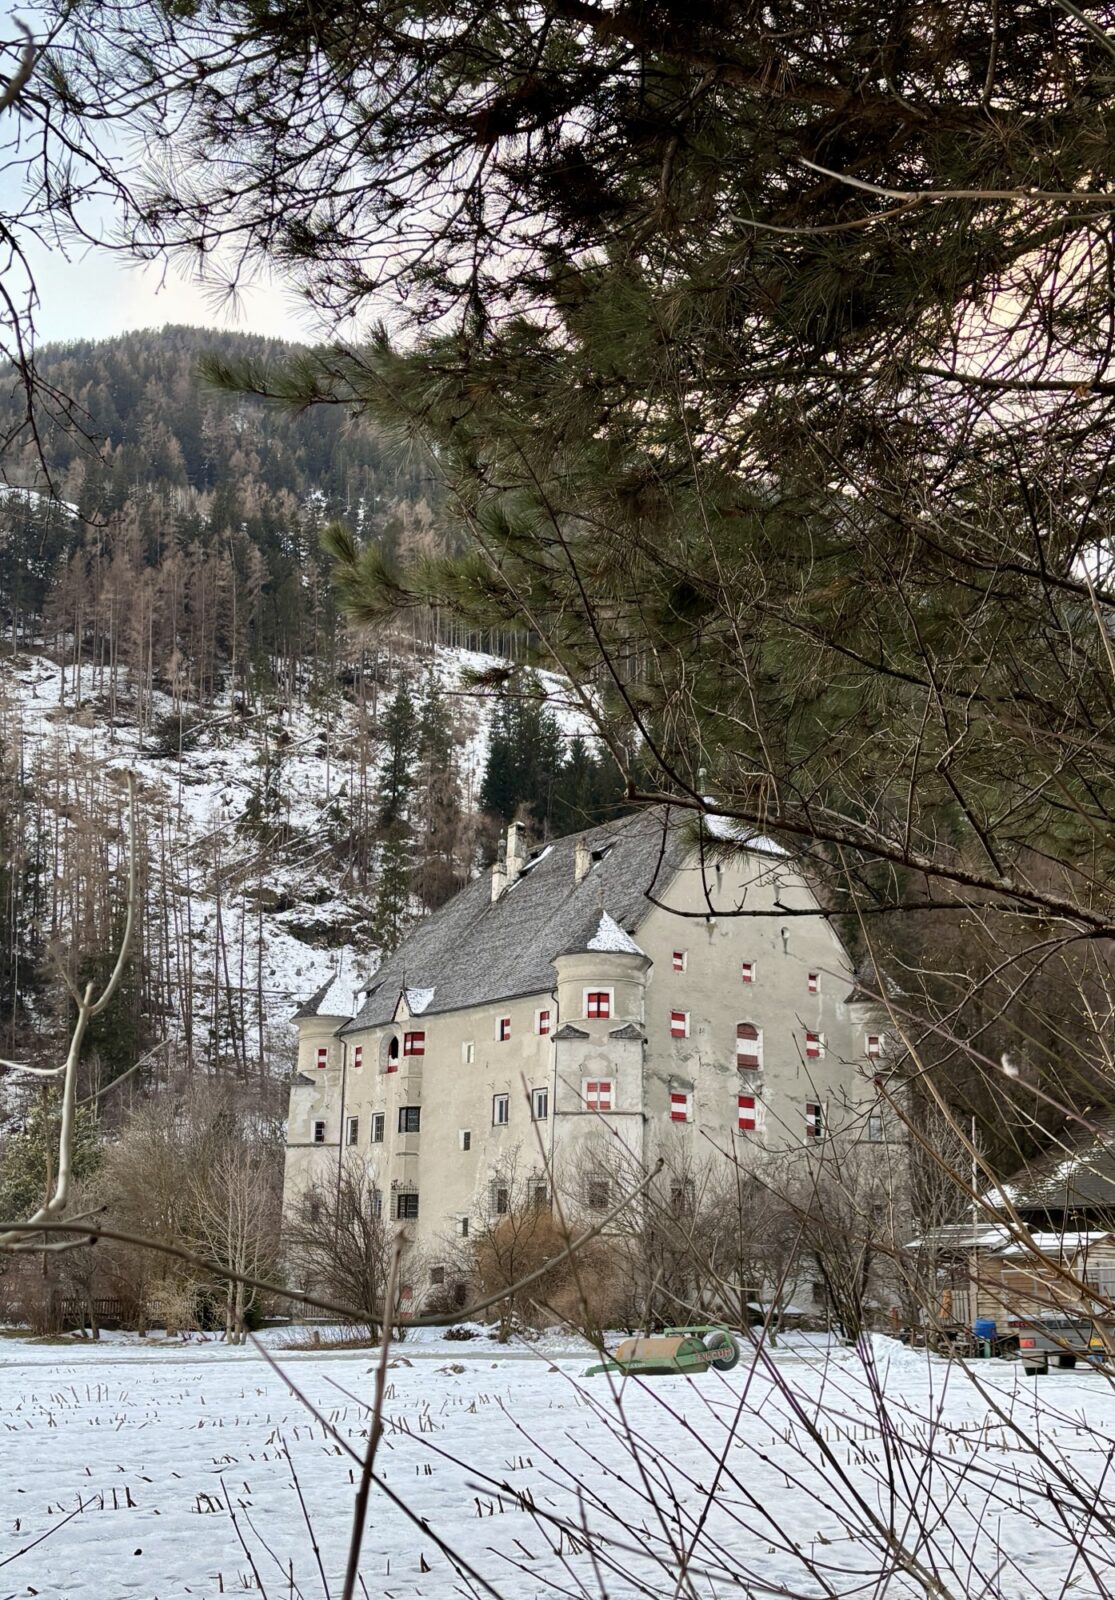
(357, 1056)
(748, 1113)
(503, 1030)
(598, 1002)
(542, 1023)
(814, 1119)
(679, 1024)
(814, 1046)
(679, 1107)
(679, 960)
(873, 1044)
(747, 971)
(749, 1047)
(597, 1094)
(323, 1055)
(813, 983)
(414, 1044)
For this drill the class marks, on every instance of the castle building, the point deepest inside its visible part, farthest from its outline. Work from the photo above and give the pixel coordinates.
(619, 984)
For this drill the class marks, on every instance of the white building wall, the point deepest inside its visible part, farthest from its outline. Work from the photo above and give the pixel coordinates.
(465, 1063)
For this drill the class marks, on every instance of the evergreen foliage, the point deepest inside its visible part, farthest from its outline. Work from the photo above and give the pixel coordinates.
(28, 1162)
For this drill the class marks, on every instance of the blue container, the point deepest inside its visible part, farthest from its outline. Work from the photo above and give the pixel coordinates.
(984, 1327)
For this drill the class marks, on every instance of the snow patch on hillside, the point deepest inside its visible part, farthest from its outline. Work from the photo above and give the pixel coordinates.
(271, 922)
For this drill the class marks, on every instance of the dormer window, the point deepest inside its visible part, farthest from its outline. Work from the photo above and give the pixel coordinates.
(597, 1003)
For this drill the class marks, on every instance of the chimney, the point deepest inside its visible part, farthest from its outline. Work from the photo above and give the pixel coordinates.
(499, 872)
(582, 861)
(516, 852)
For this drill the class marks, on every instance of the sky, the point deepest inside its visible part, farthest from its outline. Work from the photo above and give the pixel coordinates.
(95, 295)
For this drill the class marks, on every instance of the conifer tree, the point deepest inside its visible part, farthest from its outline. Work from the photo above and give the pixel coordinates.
(438, 804)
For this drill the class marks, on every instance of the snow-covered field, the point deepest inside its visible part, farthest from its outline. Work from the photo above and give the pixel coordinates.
(168, 1472)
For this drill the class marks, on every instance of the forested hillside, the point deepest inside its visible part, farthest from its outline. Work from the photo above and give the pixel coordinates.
(305, 791)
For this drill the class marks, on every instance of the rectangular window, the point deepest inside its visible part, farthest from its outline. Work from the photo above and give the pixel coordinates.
(322, 1055)
(814, 1119)
(379, 1120)
(680, 960)
(679, 1024)
(597, 1094)
(597, 1194)
(410, 1119)
(352, 1130)
(814, 1046)
(749, 1047)
(748, 1113)
(875, 1127)
(538, 1194)
(542, 1022)
(501, 1110)
(467, 1052)
(377, 1202)
(747, 971)
(319, 1133)
(437, 1275)
(406, 1207)
(393, 1055)
(598, 1002)
(540, 1104)
(357, 1056)
(874, 1044)
(465, 1137)
(503, 1029)
(462, 1226)
(414, 1044)
(814, 983)
(679, 1108)
(499, 1198)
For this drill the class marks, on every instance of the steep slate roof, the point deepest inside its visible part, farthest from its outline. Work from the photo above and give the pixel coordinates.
(333, 999)
(471, 952)
(1079, 1178)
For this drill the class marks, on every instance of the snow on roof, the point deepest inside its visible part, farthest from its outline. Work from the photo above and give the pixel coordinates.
(729, 828)
(610, 936)
(1054, 1244)
(417, 1000)
(335, 998)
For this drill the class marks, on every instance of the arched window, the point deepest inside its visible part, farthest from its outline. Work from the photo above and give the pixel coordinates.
(749, 1047)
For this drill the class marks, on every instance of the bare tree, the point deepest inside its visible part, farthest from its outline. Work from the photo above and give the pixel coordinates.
(235, 1208)
(338, 1243)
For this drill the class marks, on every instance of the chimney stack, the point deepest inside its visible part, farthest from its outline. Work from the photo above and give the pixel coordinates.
(582, 861)
(499, 872)
(516, 852)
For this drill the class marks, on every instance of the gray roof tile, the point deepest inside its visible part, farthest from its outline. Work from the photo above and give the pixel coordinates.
(471, 952)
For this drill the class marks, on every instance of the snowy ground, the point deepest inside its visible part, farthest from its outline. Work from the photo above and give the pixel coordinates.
(124, 1468)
